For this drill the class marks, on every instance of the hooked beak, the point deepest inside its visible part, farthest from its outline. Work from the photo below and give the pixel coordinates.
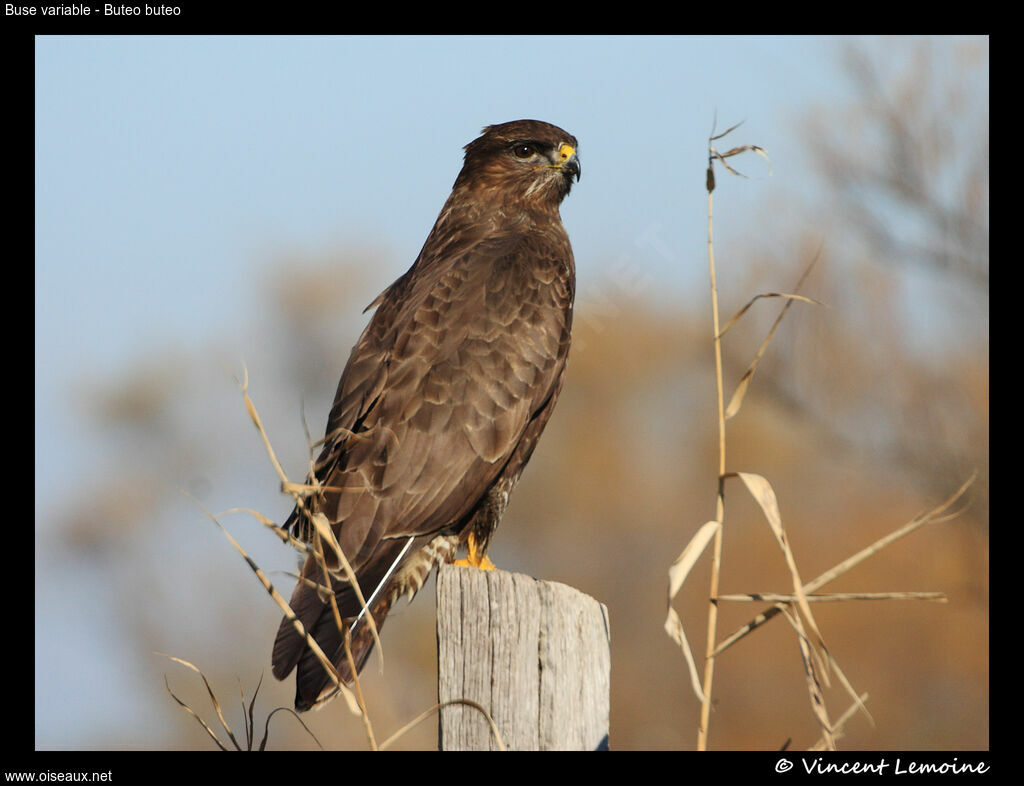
(569, 162)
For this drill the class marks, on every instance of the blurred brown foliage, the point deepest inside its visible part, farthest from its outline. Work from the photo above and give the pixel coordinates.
(857, 427)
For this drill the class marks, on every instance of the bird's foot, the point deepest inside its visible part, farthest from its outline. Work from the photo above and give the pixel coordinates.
(483, 564)
(475, 559)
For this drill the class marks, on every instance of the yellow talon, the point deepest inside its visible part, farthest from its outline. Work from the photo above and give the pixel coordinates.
(475, 559)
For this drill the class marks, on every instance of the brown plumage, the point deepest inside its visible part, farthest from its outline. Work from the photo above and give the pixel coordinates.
(444, 395)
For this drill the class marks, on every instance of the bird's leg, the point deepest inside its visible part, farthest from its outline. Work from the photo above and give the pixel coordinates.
(475, 559)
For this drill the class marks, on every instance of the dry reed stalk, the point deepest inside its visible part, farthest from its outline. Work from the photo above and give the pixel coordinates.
(817, 661)
(323, 538)
(716, 552)
(248, 719)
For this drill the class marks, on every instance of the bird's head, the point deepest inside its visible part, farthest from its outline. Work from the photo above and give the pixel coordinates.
(529, 161)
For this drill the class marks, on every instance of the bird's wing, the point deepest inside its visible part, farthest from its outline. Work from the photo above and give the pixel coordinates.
(437, 393)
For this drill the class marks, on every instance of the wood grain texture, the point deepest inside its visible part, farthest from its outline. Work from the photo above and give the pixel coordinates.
(535, 654)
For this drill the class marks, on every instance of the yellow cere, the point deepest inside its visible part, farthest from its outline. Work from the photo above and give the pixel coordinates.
(566, 151)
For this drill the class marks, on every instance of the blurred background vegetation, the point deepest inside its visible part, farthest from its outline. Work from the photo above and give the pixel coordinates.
(863, 413)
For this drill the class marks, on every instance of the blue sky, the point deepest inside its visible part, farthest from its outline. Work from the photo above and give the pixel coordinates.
(171, 171)
(166, 163)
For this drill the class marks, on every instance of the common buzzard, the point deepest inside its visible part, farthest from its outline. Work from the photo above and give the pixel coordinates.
(443, 398)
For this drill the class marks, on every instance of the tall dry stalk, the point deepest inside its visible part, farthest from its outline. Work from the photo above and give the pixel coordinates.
(716, 553)
(817, 662)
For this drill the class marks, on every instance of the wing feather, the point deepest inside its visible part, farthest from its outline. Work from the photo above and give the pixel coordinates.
(458, 376)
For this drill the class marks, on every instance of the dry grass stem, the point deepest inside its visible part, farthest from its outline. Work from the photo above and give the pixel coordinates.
(931, 516)
(254, 415)
(788, 295)
(795, 606)
(323, 542)
(437, 707)
(814, 689)
(287, 610)
(324, 533)
(763, 493)
(778, 597)
(193, 713)
(715, 155)
(677, 574)
(840, 722)
(741, 387)
(716, 552)
(367, 727)
(321, 534)
(248, 718)
(319, 521)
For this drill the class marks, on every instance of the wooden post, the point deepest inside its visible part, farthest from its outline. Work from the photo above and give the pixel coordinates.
(534, 654)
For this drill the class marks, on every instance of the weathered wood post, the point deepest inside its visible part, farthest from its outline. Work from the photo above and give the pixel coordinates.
(535, 654)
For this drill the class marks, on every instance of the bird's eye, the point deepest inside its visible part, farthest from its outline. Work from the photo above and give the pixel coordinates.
(523, 150)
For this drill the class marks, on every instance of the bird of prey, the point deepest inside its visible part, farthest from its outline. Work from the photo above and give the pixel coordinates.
(442, 400)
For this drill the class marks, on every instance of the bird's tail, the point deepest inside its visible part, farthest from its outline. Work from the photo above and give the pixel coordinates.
(291, 649)
(312, 682)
